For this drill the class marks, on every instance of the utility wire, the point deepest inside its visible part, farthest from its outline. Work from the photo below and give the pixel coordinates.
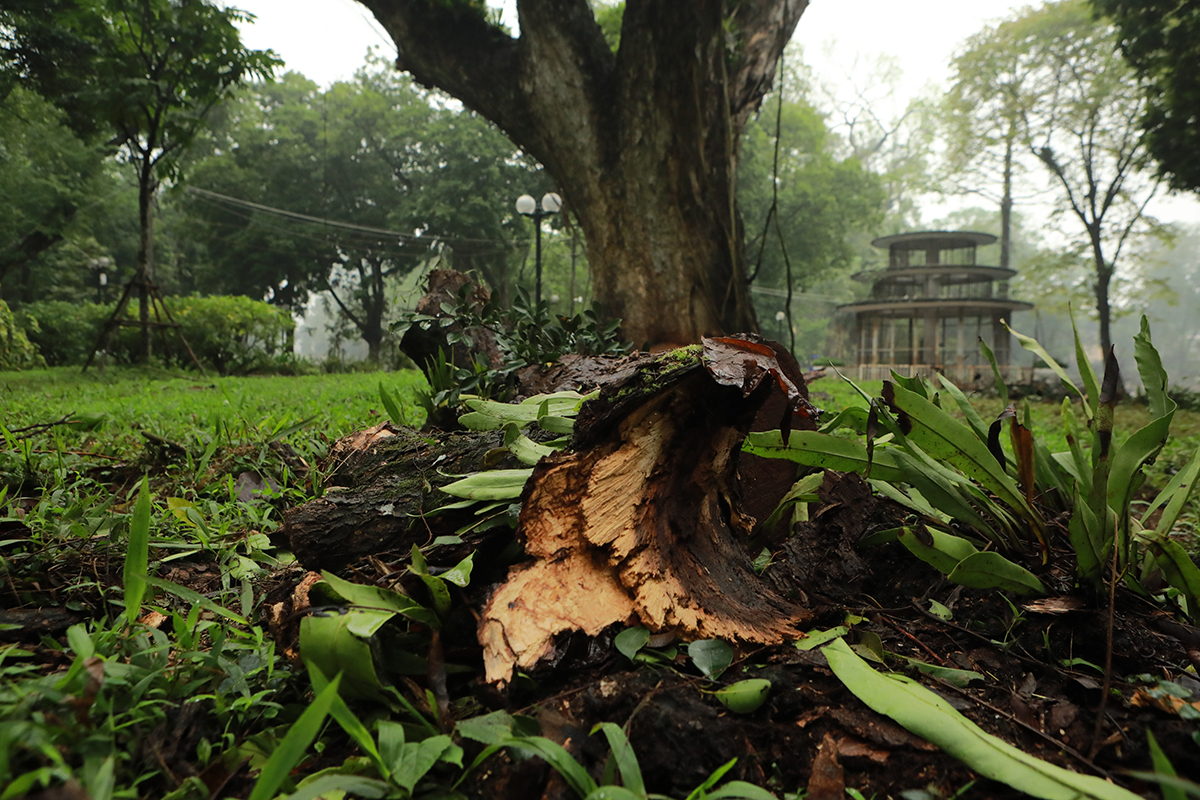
(347, 226)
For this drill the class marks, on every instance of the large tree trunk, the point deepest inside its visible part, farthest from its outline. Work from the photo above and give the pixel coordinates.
(643, 143)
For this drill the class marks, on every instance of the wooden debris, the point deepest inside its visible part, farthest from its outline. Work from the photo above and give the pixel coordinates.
(641, 523)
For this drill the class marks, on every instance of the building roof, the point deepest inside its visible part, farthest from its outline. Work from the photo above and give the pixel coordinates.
(942, 240)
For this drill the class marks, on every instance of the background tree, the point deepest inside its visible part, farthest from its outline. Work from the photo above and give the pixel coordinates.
(143, 72)
(350, 189)
(803, 199)
(891, 142)
(994, 81)
(642, 142)
(1161, 41)
(1080, 122)
(47, 175)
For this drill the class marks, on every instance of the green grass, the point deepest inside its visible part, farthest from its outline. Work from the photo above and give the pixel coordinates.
(114, 407)
(93, 707)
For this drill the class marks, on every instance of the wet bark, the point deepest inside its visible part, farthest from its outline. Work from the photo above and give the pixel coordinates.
(643, 143)
(381, 495)
(145, 256)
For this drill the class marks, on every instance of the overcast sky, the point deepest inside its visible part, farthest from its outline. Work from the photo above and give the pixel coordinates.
(327, 40)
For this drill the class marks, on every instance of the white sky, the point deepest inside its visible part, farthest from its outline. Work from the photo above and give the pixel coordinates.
(327, 40)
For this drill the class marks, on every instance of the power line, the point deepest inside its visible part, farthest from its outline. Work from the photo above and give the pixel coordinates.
(347, 226)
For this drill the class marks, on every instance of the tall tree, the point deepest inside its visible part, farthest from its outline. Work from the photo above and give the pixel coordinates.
(803, 199)
(1161, 41)
(993, 82)
(143, 72)
(1059, 88)
(642, 142)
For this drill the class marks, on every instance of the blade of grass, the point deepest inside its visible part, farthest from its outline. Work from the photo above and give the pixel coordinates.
(295, 744)
(137, 555)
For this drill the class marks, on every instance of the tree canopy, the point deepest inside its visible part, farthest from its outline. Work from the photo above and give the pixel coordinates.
(1050, 80)
(1161, 41)
(349, 188)
(142, 73)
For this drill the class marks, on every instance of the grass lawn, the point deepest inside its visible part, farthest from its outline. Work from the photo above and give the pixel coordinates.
(116, 405)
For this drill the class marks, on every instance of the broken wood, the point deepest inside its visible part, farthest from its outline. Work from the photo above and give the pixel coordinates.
(641, 522)
(381, 495)
(651, 517)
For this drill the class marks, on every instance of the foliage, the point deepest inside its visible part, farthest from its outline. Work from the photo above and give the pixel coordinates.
(931, 717)
(893, 143)
(236, 335)
(49, 175)
(145, 72)
(1159, 40)
(208, 668)
(65, 332)
(965, 489)
(16, 351)
(141, 73)
(349, 189)
(233, 335)
(804, 208)
(1049, 85)
(526, 333)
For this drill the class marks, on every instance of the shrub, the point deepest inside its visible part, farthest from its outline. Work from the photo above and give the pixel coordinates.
(16, 351)
(65, 332)
(233, 335)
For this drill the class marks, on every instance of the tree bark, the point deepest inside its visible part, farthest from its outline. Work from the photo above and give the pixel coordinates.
(145, 256)
(642, 142)
(1006, 202)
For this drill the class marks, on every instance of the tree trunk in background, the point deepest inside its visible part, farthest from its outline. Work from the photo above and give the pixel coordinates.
(145, 258)
(1006, 204)
(642, 143)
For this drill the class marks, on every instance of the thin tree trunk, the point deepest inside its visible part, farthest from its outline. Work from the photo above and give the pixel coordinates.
(1103, 307)
(1006, 205)
(145, 257)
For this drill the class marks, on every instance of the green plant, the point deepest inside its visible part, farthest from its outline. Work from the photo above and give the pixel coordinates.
(526, 333)
(233, 335)
(971, 497)
(622, 778)
(16, 351)
(931, 717)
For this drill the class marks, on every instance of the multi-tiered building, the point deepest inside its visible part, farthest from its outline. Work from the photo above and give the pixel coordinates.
(928, 310)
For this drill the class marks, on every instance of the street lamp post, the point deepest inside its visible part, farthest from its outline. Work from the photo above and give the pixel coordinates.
(528, 207)
(100, 267)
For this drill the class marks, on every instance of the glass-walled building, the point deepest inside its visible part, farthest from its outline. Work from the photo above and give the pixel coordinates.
(930, 307)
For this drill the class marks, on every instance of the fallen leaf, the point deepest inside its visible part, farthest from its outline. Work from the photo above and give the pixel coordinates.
(827, 781)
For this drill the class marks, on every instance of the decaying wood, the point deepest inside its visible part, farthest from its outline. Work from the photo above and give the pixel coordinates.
(641, 522)
(381, 494)
(445, 286)
(650, 518)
